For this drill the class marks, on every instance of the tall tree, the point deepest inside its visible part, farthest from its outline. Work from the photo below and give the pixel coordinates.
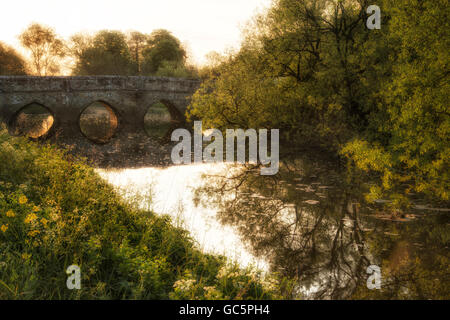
(298, 70)
(136, 43)
(45, 47)
(162, 47)
(11, 63)
(107, 53)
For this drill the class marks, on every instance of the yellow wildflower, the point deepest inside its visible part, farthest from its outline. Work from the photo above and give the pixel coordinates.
(26, 256)
(4, 228)
(23, 200)
(10, 214)
(30, 218)
(44, 221)
(36, 209)
(33, 233)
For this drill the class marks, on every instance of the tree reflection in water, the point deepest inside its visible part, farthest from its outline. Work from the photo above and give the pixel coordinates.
(311, 223)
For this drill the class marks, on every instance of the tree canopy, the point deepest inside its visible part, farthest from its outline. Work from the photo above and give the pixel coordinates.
(11, 63)
(46, 49)
(312, 69)
(137, 42)
(162, 48)
(115, 53)
(107, 53)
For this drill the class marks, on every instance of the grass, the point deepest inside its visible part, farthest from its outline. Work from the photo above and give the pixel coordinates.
(55, 211)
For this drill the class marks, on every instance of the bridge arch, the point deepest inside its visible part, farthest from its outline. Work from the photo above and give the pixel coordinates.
(129, 98)
(34, 120)
(161, 118)
(99, 121)
(173, 110)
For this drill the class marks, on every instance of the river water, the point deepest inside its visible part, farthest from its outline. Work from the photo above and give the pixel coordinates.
(170, 191)
(310, 222)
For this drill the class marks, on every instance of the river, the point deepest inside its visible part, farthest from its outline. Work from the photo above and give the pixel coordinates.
(170, 191)
(310, 222)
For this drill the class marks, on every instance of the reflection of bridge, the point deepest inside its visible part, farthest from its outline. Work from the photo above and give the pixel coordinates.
(128, 97)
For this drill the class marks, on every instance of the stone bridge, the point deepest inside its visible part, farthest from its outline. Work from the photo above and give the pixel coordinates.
(127, 98)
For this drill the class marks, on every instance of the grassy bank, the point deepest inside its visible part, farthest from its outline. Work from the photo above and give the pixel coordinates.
(55, 211)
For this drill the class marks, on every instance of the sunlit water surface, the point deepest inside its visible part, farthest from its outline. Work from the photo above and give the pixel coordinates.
(170, 191)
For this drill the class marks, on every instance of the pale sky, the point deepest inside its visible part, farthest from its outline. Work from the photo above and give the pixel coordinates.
(204, 25)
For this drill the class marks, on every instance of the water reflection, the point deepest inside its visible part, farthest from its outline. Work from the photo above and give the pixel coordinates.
(415, 258)
(310, 223)
(170, 191)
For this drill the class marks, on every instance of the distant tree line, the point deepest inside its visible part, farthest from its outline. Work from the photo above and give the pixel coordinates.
(105, 53)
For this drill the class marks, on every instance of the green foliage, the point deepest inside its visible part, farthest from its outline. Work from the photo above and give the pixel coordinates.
(175, 70)
(231, 282)
(298, 70)
(113, 53)
(312, 69)
(11, 63)
(56, 211)
(106, 54)
(137, 42)
(162, 47)
(413, 118)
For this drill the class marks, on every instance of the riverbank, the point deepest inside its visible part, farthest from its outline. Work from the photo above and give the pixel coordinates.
(55, 211)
